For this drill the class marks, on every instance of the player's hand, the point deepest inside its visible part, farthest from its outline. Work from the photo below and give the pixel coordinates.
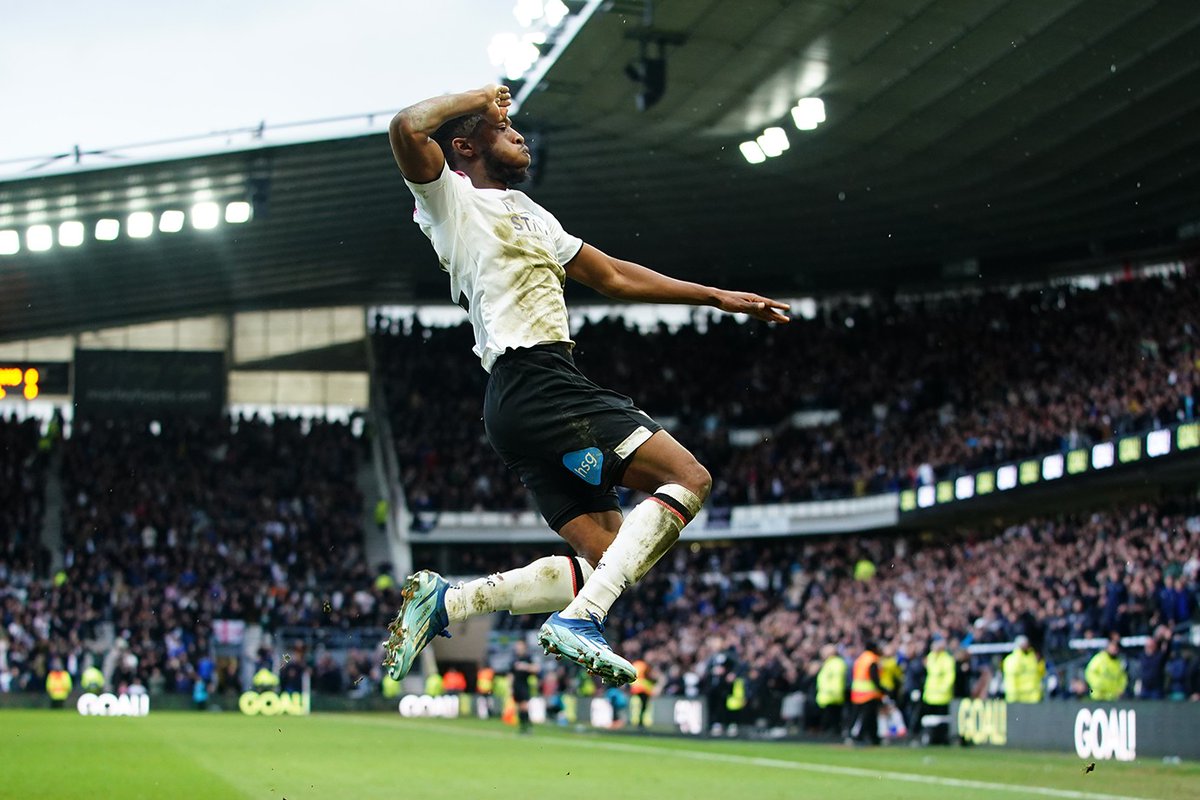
(757, 306)
(499, 98)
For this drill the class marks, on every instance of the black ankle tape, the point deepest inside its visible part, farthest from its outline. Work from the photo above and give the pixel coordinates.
(676, 506)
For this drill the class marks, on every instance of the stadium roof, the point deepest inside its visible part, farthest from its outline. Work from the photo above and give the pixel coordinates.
(989, 138)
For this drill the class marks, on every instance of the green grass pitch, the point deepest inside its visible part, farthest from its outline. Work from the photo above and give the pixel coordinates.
(178, 756)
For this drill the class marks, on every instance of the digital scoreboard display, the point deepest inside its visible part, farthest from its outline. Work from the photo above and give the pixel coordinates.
(30, 381)
(1055, 466)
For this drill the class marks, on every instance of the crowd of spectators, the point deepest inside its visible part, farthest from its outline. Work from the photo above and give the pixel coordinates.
(924, 389)
(764, 611)
(171, 527)
(23, 460)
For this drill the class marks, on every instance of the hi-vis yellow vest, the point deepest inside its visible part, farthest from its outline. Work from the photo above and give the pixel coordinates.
(939, 679)
(58, 684)
(831, 682)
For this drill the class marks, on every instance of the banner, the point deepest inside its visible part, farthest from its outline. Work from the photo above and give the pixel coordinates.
(273, 704)
(111, 705)
(149, 380)
(666, 714)
(1121, 731)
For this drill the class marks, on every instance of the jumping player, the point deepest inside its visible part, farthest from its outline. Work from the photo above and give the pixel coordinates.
(569, 440)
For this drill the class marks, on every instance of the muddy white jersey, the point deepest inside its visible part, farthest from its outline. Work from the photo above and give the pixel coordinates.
(506, 257)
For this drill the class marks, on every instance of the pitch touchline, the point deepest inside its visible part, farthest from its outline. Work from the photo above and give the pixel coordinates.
(778, 763)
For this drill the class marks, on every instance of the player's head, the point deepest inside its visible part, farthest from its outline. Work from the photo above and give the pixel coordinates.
(498, 150)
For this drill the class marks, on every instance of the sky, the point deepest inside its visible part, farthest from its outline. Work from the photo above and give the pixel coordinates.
(107, 74)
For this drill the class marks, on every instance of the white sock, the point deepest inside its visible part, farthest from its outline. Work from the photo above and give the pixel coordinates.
(646, 535)
(546, 585)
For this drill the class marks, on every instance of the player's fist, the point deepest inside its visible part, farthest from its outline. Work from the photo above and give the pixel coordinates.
(497, 99)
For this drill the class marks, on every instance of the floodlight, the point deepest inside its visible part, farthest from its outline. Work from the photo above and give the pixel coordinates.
(526, 11)
(171, 221)
(206, 215)
(809, 113)
(70, 233)
(237, 212)
(554, 12)
(107, 229)
(140, 224)
(773, 141)
(39, 238)
(10, 243)
(753, 152)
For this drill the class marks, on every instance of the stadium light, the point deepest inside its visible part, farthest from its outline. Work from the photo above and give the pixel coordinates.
(753, 152)
(10, 243)
(237, 212)
(171, 221)
(809, 113)
(773, 142)
(526, 11)
(140, 224)
(205, 216)
(516, 53)
(107, 229)
(70, 233)
(39, 238)
(554, 12)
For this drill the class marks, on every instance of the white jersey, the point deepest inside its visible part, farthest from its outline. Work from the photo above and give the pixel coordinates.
(506, 257)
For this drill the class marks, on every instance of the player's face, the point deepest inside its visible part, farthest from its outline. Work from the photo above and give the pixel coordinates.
(505, 154)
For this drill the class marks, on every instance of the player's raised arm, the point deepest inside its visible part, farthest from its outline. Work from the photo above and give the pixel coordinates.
(625, 280)
(419, 157)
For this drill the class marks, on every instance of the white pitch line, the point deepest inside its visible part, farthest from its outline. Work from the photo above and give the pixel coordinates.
(778, 763)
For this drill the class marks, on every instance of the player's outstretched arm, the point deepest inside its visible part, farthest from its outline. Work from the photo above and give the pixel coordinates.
(625, 280)
(419, 157)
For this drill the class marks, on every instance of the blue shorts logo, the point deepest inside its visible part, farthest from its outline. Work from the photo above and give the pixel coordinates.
(586, 464)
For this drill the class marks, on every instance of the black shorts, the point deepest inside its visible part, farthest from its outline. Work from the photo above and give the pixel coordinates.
(568, 439)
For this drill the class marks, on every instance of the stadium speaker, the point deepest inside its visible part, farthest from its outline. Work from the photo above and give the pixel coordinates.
(650, 73)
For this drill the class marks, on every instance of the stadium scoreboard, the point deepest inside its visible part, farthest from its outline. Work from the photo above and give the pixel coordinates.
(32, 380)
(1122, 451)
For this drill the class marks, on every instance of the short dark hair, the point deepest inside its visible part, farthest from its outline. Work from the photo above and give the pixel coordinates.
(458, 128)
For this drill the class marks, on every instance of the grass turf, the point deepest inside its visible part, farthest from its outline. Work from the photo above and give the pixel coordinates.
(179, 756)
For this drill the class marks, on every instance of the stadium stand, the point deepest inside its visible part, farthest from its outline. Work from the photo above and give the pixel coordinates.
(171, 525)
(923, 389)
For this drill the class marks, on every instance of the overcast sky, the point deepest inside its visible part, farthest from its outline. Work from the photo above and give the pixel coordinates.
(107, 74)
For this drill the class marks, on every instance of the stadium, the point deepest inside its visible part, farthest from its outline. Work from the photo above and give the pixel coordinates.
(938, 529)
